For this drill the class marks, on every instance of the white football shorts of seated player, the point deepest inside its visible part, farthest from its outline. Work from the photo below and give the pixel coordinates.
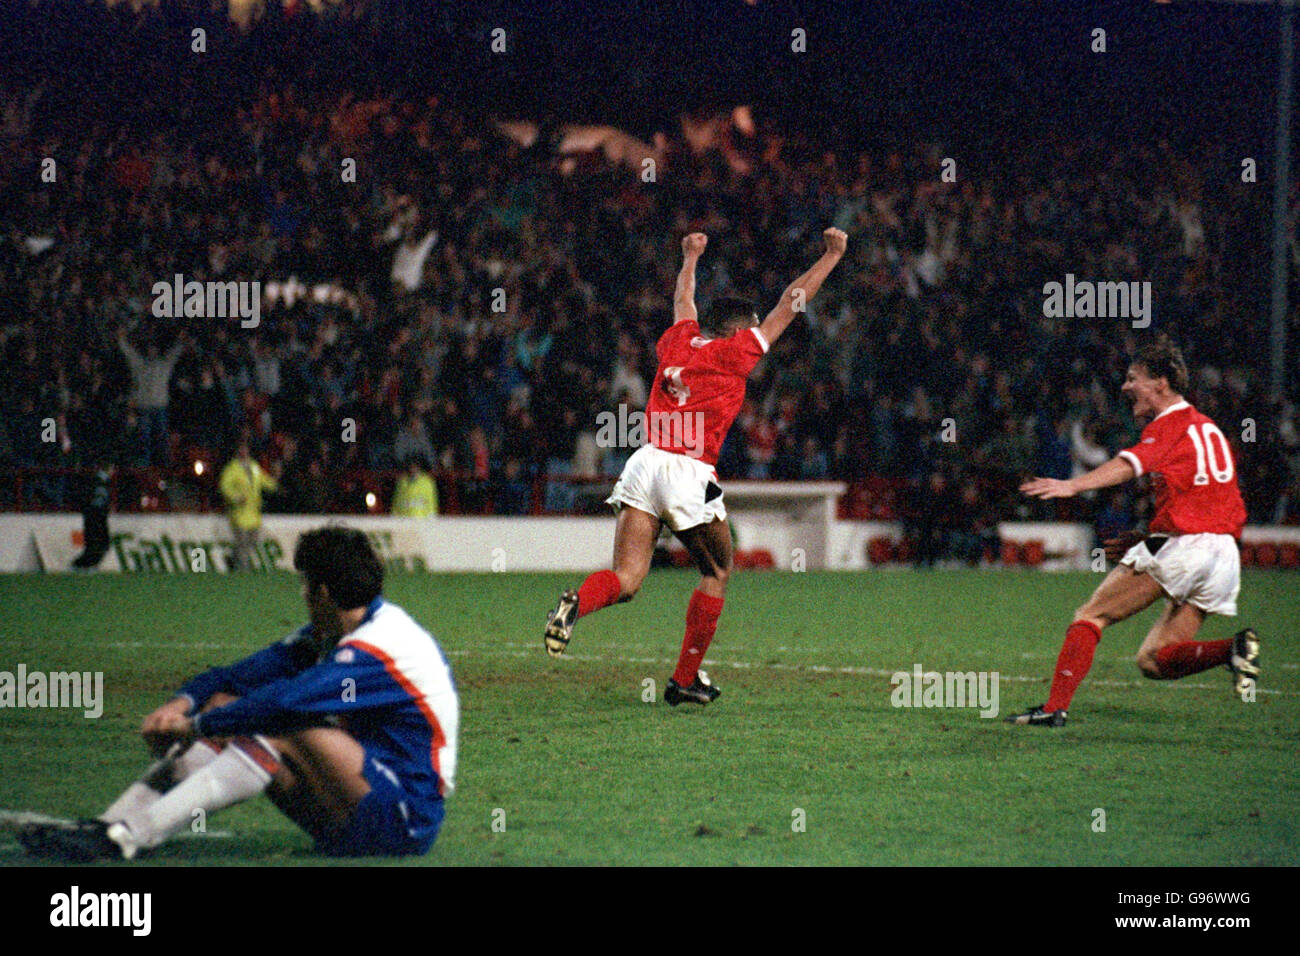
(1203, 570)
(680, 490)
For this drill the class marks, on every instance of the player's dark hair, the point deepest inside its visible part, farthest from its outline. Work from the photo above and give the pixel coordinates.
(725, 313)
(1163, 359)
(343, 561)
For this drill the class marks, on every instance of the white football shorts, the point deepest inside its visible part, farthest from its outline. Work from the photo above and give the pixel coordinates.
(1203, 570)
(681, 490)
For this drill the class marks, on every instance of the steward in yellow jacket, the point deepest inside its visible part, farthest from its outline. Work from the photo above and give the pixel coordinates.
(416, 495)
(242, 483)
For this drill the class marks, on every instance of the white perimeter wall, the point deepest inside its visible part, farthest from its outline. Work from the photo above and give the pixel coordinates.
(182, 543)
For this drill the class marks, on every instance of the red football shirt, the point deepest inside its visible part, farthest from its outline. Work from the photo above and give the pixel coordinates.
(1193, 472)
(699, 388)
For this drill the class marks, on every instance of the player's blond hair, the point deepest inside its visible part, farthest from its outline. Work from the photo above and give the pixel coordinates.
(1163, 359)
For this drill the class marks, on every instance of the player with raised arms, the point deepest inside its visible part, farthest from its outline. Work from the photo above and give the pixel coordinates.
(698, 390)
(1188, 555)
(349, 725)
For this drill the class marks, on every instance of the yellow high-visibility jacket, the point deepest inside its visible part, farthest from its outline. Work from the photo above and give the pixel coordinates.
(415, 497)
(242, 488)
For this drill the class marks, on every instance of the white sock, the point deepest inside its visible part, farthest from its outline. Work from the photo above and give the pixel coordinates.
(161, 776)
(229, 778)
(200, 754)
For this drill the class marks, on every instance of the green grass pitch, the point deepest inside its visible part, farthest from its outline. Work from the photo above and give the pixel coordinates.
(585, 772)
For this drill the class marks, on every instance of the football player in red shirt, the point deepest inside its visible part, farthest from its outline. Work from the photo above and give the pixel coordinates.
(698, 389)
(1189, 554)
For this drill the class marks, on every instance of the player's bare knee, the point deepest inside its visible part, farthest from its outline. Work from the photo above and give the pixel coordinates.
(629, 584)
(1149, 666)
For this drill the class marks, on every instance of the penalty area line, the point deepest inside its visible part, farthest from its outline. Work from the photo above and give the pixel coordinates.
(850, 670)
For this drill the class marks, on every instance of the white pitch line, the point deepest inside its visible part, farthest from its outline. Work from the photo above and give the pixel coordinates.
(746, 665)
(833, 669)
(1025, 655)
(813, 649)
(150, 645)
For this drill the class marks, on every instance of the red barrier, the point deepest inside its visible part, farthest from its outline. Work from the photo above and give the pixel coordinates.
(880, 550)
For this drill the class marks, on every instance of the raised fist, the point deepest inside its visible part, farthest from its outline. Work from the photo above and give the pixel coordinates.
(694, 243)
(837, 240)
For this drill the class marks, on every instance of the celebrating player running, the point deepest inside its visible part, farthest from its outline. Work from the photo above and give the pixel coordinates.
(1189, 554)
(699, 387)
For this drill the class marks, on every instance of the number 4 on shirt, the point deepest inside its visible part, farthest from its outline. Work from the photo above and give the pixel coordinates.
(674, 385)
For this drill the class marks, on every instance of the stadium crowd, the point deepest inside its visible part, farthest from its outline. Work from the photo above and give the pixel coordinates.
(473, 300)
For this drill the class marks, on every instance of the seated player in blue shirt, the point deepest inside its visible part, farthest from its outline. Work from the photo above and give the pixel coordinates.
(349, 725)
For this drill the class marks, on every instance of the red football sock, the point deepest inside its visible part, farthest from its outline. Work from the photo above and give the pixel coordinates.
(1192, 657)
(1081, 640)
(601, 589)
(259, 750)
(701, 623)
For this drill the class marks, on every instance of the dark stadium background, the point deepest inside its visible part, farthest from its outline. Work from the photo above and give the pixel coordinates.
(226, 165)
(1010, 90)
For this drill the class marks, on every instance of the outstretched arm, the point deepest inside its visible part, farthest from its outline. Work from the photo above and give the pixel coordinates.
(133, 359)
(800, 292)
(684, 296)
(1114, 472)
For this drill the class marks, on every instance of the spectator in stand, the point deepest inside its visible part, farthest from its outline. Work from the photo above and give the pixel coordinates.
(934, 520)
(412, 441)
(243, 482)
(813, 465)
(1086, 452)
(302, 485)
(761, 439)
(1054, 453)
(974, 527)
(1287, 511)
(411, 254)
(514, 493)
(626, 383)
(151, 375)
(316, 499)
(1114, 519)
